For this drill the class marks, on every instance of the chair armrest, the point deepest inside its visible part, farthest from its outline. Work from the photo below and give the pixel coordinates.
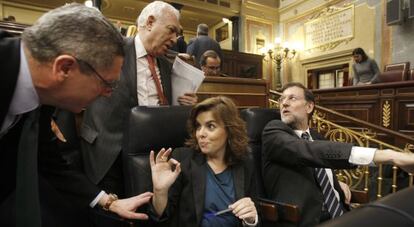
(358, 196)
(276, 211)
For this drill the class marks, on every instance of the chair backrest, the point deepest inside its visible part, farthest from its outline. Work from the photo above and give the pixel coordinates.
(272, 212)
(402, 66)
(393, 210)
(256, 119)
(150, 128)
(395, 72)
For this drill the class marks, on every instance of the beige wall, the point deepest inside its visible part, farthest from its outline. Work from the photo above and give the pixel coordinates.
(292, 30)
(23, 14)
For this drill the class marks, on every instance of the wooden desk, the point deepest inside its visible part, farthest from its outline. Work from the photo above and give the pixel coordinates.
(245, 92)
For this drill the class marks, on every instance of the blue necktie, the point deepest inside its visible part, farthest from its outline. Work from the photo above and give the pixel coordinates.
(27, 188)
(329, 198)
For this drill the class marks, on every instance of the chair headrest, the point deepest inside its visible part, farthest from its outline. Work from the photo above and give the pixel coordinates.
(256, 119)
(151, 128)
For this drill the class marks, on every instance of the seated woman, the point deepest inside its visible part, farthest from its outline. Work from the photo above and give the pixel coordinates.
(365, 69)
(214, 173)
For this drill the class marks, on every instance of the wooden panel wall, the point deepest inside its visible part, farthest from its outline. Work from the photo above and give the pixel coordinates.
(390, 105)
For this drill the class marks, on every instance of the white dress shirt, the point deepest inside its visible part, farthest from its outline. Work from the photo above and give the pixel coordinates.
(25, 98)
(359, 156)
(146, 89)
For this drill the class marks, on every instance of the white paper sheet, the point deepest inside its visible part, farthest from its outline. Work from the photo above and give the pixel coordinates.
(185, 78)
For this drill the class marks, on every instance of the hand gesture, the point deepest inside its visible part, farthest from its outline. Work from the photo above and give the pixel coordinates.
(188, 99)
(126, 207)
(161, 170)
(244, 209)
(405, 162)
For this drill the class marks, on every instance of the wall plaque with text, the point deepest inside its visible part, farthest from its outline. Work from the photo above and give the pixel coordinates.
(330, 27)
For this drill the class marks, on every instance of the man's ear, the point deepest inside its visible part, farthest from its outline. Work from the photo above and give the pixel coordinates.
(62, 66)
(150, 22)
(310, 107)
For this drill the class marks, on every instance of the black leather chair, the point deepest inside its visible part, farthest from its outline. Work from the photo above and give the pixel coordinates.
(393, 210)
(150, 128)
(271, 212)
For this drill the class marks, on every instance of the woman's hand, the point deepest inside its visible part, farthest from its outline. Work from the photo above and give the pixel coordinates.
(245, 209)
(161, 170)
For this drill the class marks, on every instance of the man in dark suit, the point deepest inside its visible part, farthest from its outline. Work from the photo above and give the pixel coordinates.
(203, 43)
(180, 46)
(54, 64)
(296, 160)
(210, 63)
(105, 120)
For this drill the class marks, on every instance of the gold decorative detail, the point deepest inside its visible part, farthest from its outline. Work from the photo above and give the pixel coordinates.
(386, 114)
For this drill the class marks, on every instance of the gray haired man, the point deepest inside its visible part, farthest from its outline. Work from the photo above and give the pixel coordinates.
(68, 58)
(145, 81)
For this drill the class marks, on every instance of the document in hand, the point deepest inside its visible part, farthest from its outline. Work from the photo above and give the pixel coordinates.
(185, 78)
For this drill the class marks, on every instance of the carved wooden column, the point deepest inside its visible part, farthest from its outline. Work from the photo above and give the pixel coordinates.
(235, 33)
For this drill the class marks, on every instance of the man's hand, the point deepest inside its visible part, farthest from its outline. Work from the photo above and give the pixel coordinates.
(347, 192)
(126, 207)
(403, 160)
(188, 99)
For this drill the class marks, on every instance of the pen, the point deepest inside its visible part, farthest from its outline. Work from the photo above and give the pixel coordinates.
(223, 211)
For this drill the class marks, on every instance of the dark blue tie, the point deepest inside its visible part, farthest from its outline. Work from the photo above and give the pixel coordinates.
(330, 200)
(27, 188)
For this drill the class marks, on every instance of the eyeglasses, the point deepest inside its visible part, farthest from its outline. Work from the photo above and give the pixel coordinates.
(288, 99)
(112, 85)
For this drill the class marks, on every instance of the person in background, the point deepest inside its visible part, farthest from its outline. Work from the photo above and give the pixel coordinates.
(210, 63)
(365, 69)
(213, 173)
(180, 46)
(55, 63)
(203, 43)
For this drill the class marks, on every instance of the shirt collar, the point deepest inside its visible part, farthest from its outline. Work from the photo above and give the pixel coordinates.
(139, 47)
(299, 132)
(25, 98)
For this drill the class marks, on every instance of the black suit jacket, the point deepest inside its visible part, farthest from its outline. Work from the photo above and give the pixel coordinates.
(186, 196)
(105, 120)
(53, 171)
(288, 168)
(200, 45)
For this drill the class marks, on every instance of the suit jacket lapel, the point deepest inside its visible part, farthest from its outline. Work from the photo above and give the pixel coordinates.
(238, 179)
(165, 70)
(27, 188)
(9, 66)
(198, 176)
